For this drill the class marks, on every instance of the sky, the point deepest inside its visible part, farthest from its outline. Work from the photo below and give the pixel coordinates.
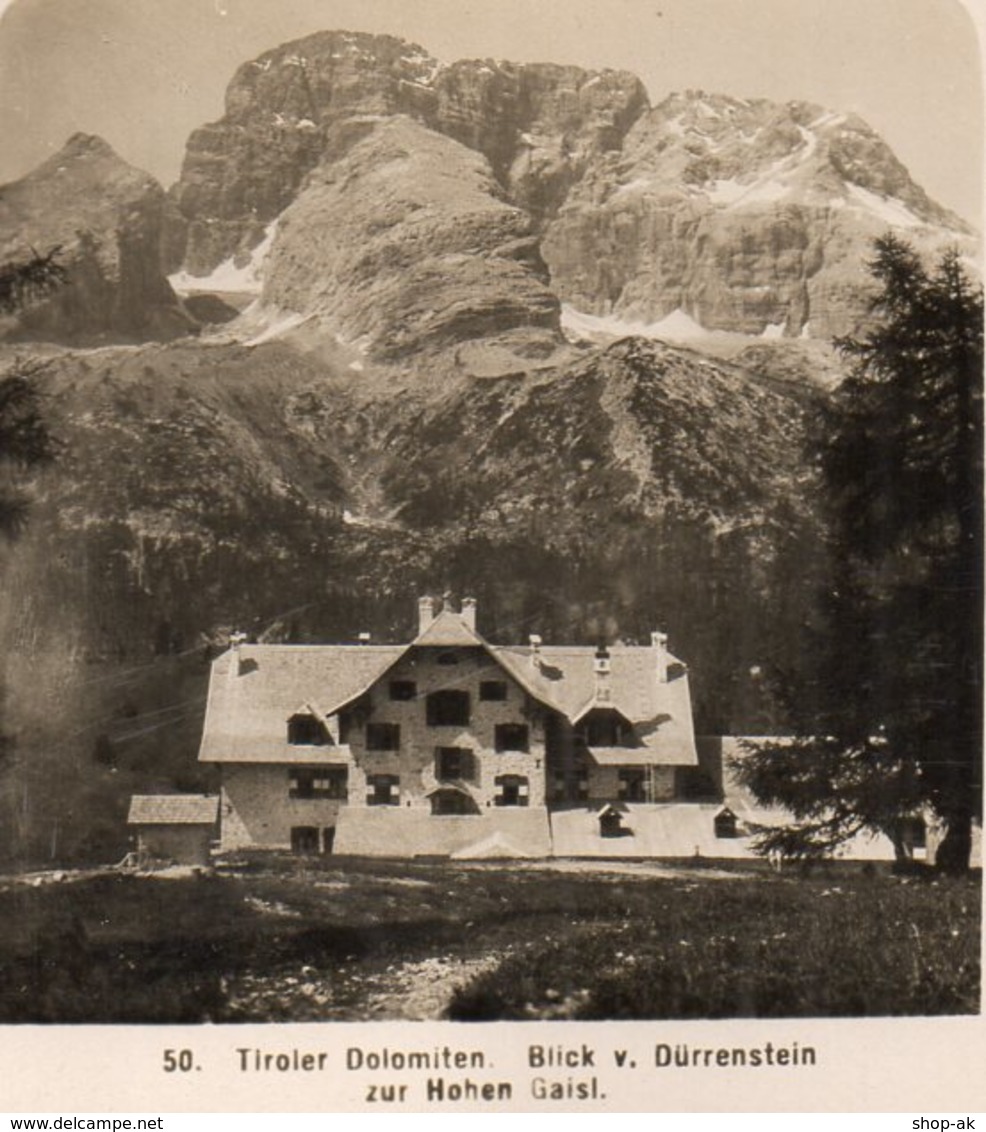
(144, 73)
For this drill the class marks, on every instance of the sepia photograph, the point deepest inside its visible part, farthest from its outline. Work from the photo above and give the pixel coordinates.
(491, 516)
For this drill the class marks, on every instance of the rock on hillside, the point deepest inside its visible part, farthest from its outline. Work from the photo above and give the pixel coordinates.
(638, 429)
(107, 218)
(744, 215)
(403, 244)
(538, 125)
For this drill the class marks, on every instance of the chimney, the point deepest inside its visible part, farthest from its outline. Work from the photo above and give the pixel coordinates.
(659, 642)
(469, 612)
(535, 642)
(364, 638)
(426, 613)
(601, 668)
(235, 640)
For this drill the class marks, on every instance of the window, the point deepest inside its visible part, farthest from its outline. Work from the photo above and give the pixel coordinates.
(447, 708)
(447, 658)
(383, 736)
(605, 729)
(306, 730)
(403, 689)
(511, 790)
(318, 782)
(452, 763)
(632, 785)
(511, 737)
(304, 839)
(493, 690)
(383, 790)
(452, 802)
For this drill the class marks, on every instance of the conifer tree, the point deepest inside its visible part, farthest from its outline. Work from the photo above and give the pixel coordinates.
(889, 707)
(24, 439)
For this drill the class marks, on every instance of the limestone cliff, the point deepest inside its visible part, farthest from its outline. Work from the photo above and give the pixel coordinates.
(403, 243)
(537, 124)
(106, 217)
(744, 215)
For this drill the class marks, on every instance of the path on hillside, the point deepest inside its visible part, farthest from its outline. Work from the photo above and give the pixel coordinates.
(413, 990)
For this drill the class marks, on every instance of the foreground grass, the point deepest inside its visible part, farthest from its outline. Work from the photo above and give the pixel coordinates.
(290, 940)
(785, 948)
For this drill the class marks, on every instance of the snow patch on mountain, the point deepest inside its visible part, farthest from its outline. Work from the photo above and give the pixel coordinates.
(677, 326)
(886, 209)
(246, 279)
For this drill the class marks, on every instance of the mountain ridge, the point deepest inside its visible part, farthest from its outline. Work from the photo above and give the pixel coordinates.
(742, 214)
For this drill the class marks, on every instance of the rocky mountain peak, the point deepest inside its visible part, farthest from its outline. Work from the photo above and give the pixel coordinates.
(537, 124)
(711, 211)
(738, 214)
(403, 243)
(106, 217)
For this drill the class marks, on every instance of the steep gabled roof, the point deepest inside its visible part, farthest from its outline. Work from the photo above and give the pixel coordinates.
(173, 809)
(247, 712)
(449, 629)
(660, 712)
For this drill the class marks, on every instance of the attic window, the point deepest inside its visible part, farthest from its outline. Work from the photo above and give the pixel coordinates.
(493, 690)
(403, 689)
(511, 737)
(306, 730)
(447, 658)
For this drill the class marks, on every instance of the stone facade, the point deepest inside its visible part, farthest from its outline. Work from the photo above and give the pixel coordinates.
(257, 809)
(446, 745)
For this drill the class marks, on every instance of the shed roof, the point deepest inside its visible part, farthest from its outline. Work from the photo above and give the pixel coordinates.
(173, 809)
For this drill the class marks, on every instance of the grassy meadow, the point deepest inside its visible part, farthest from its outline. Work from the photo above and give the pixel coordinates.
(278, 939)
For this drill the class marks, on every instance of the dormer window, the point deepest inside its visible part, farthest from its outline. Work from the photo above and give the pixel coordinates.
(307, 731)
(447, 658)
(606, 728)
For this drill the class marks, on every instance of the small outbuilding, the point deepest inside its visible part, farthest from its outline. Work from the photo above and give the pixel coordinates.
(178, 828)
